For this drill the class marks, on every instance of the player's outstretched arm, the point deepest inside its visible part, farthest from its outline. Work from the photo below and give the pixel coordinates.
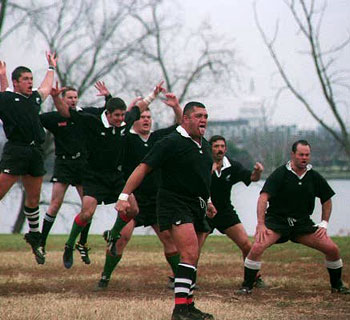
(60, 105)
(172, 101)
(46, 86)
(4, 84)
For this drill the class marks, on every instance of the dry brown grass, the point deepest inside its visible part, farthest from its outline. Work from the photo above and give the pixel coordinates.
(298, 284)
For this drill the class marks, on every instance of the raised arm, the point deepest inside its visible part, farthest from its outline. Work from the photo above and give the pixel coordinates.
(3, 77)
(145, 102)
(60, 105)
(172, 101)
(256, 173)
(46, 86)
(102, 89)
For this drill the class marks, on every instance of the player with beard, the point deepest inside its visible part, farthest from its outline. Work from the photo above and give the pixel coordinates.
(225, 173)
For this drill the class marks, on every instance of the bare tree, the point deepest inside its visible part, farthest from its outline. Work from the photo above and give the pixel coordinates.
(331, 79)
(192, 64)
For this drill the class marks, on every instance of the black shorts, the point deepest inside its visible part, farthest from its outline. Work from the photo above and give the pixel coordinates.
(105, 187)
(147, 210)
(224, 219)
(20, 160)
(175, 209)
(69, 171)
(289, 228)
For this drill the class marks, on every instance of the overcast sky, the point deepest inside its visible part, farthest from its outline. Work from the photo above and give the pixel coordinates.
(235, 19)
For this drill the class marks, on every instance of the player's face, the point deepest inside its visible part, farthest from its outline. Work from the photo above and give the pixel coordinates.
(218, 149)
(71, 98)
(144, 125)
(301, 157)
(24, 84)
(196, 122)
(116, 117)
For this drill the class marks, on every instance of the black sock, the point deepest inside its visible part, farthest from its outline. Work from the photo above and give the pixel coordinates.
(84, 234)
(47, 225)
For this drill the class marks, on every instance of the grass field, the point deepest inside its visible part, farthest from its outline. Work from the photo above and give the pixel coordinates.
(298, 283)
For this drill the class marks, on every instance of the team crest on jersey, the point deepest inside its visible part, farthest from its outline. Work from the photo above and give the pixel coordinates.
(37, 100)
(228, 178)
(122, 132)
(103, 133)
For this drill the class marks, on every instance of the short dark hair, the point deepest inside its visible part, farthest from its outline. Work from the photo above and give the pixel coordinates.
(16, 74)
(190, 106)
(115, 104)
(68, 89)
(302, 142)
(217, 138)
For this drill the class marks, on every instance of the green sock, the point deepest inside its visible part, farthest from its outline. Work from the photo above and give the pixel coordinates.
(110, 264)
(76, 229)
(118, 226)
(173, 260)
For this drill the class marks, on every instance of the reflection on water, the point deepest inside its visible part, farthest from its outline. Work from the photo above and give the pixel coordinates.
(244, 199)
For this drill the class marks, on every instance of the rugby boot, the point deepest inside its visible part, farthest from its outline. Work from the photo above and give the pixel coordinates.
(68, 256)
(341, 290)
(103, 283)
(84, 252)
(183, 314)
(198, 313)
(243, 291)
(260, 283)
(34, 239)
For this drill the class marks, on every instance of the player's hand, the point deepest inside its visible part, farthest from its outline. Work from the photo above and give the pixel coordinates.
(102, 89)
(261, 232)
(122, 206)
(159, 88)
(211, 211)
(321, 233)
(171, 100)
(134, 102)
(2, 67)
(56, 91)
(258, 167)
(51, 59)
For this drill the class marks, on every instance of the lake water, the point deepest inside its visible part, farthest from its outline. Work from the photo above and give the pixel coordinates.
(244, 199)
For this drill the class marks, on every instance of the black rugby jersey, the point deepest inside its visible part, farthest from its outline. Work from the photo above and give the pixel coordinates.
(68, 135)
(231, 173)
(20, 117)
(105, 146)
(185, 167)
(135, 150)
(293, 197)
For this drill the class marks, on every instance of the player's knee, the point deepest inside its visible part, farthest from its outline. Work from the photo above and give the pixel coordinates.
(257, 249)
(33, 201)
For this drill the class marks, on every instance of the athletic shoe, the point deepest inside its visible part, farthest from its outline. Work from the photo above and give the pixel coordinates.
(243, 291)
(342, 290)
(68, 256)
(103, 283)
(34, 239)
(184, 314)
(111, 242)
(193, 311)
(260, 283)
(84, 252)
